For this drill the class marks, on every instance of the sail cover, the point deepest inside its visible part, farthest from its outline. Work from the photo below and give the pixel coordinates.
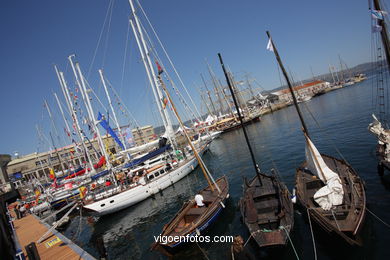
(332, 193)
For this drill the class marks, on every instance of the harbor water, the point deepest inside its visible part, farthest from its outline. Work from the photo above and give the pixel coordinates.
(340, 130)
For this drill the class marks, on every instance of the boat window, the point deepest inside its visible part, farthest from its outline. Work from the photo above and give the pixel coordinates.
(162, 172)
(150, 177)
(103, 205)
(156, 174)
(112, 201)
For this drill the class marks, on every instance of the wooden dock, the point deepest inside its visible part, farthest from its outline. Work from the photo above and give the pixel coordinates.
(55, 246)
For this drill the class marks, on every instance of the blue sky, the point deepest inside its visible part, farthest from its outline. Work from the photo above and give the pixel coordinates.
(37, 34)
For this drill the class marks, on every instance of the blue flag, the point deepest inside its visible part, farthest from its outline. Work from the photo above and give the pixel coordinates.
(106, 126)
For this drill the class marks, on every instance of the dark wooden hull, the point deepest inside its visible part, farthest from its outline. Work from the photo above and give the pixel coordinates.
(267, 211)
(344, 221)
(380, 153)
(238, 125)
(191, 221)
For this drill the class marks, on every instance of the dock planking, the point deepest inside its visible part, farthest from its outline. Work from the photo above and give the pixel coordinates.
(29, 229)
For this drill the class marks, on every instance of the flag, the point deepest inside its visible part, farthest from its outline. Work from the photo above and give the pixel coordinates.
(83, 191)
(52, 174)
(160, 70)
(270, 47)
(165, 102)
(377, 14)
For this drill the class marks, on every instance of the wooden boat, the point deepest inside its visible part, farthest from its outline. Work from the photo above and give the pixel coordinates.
(328, 188)
(267, 211)
(266, 208)
(379, 127)
(192, 220)
(345, 220)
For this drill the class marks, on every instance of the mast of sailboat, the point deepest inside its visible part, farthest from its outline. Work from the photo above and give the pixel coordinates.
(275, 51)
(145, 55)
(204, 101)
(208, 94)
(331, 72)
(113, 111)
(205, 171)
(87, 100)
(384, 33)
(75, 119)
(255, 165)
(341, 69)
(216, 90)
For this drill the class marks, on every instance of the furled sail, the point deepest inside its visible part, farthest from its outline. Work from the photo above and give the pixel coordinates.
(383, 136)
(332, 193)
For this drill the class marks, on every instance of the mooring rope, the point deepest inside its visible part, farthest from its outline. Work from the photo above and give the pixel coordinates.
(378, 218)
(312, 235)
(201, 249)
(289, 238)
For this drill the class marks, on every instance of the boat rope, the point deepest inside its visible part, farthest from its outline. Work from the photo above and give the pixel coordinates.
(100, 37)
(202, 250)
(289, 238)
(323, 130)
(253, 233)
(312, 234)
(170, 62)
(337, 224)
(378, 218)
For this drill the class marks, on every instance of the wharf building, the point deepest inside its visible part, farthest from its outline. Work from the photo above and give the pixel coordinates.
(37, 165)
(309, 89)
(143, 135)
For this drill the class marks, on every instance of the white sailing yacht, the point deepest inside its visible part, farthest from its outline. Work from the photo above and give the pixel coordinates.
(146, 181)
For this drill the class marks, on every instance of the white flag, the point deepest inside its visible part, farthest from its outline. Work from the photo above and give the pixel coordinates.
(269, 45)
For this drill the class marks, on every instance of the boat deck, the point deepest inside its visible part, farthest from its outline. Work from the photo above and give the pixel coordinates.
(56, 246)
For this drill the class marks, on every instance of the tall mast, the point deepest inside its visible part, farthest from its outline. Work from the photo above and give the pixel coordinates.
(205, 171)
(288, 83)
(255, 165)
(384, 33)
(72, 110)
(208, 94)
(221, 107)
(331, 72)
(145, 54)
(112, 110)
(62, 112)
(204, 101)
(87, 100)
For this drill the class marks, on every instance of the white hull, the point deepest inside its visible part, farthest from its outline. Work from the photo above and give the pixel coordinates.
(141, 192)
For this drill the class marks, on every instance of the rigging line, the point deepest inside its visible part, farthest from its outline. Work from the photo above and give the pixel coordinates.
(124, 56)
(121, 101)
(312, 234)
(169, 59)
(168, 78)
(383, 222)
(289, 238)
(98, 99)
(100, 37)
(107, 34)
(324, 131)
(204, 253)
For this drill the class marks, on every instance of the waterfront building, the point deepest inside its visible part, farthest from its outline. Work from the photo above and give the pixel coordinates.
(143, 135)
(308, 89)
(37, 165)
